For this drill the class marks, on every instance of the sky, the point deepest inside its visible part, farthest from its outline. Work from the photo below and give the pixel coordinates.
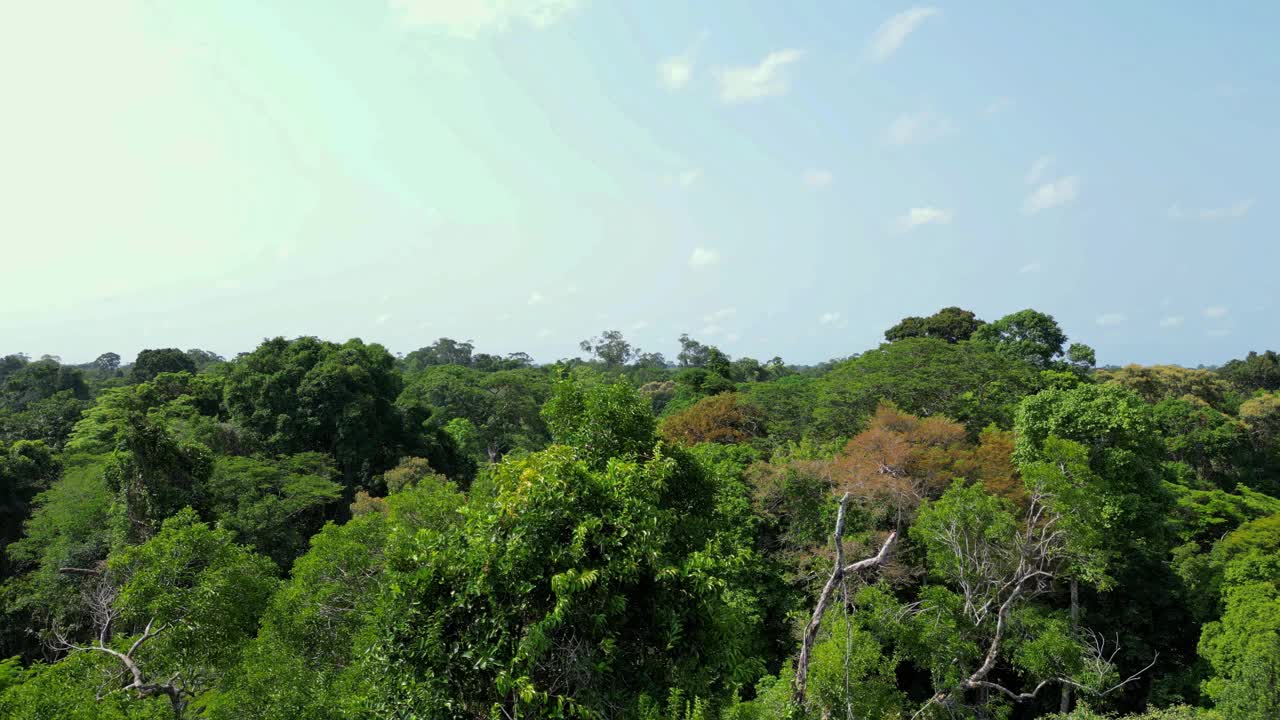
(775, 178)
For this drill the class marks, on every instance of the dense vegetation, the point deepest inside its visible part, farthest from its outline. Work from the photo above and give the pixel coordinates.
(969, 521)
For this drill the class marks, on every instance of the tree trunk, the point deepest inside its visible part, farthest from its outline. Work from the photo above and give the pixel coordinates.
(1064, 706)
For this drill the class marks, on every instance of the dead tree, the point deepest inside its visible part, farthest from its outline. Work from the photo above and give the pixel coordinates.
(100, 597)
(996, 579)
(838, 573)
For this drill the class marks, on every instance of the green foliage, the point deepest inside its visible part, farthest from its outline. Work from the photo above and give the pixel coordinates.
(969, 382)
(195, 581)
(271, 505)
(1027, 335)
(151, 363)
(1256, 371)
(69, 527)
(501, 408)
(576, 589)
(951, 324)
(26, 468)
(309, 395)
(1243, 647)
(620, 574)
(69, 690)
(600, 421)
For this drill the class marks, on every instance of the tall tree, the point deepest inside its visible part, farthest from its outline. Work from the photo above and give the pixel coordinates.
(951, 324)
(150, 363)
(1026, 335)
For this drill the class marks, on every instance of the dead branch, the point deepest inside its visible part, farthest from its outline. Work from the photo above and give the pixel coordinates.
(838, 572)
(144, 688)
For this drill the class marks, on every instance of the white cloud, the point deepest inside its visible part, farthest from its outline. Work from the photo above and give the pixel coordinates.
(639, 324)
(829, 318)
(469, 18)
(894, 31)
(920, 127)
(915, 217)
(1062, 191)
(719, 315)
(999, 105)
(1111, 319)
(818, 178)
(382, 319)
(1216, 312)
(755, 82)
(676, 71)
(544, 333)
(712, 330)
(732, 337)
(704, 257)
(1170, 321)
(1038, 169)
(688, 177)
(1230, 212)
(536, 298)
(1031, 267)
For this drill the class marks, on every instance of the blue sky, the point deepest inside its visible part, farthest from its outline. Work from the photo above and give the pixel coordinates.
(774, 178)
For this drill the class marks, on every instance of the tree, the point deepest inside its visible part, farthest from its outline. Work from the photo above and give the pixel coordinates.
(107, 363)
(1257, 371)
(179, 606)
(150, 363)
(309, 395)
(1161, 382)
(997, 564)
(272, 505)
(610, 348)
(600, 421)
(692, 353)
(1081, 357)
(502, 407)
(951, 324)
(719, 419)
(969, 382)
(839, 571)
(202, 359)
(1243, 647)
(1026, 335)
(445, 351)
(577, 589)
(26, 469)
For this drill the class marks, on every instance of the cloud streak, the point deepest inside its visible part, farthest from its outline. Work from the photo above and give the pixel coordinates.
(766, 79)
(471, 18)
(818, 178)
(675, 72)
(1231, 212)
(893, 32)
(1055, 193)
(703, 257)
(916, 217)
(916, 128)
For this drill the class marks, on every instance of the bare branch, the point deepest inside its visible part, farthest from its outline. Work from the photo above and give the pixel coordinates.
(838, 572)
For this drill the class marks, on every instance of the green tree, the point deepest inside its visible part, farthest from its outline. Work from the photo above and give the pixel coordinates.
(970, 382)
(1256, 371)
(951, 324)
(308, 395)
(1026, 335)
(150, 363)
(610, 348)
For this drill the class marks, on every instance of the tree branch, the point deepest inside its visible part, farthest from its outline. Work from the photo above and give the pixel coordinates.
(838, 571)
